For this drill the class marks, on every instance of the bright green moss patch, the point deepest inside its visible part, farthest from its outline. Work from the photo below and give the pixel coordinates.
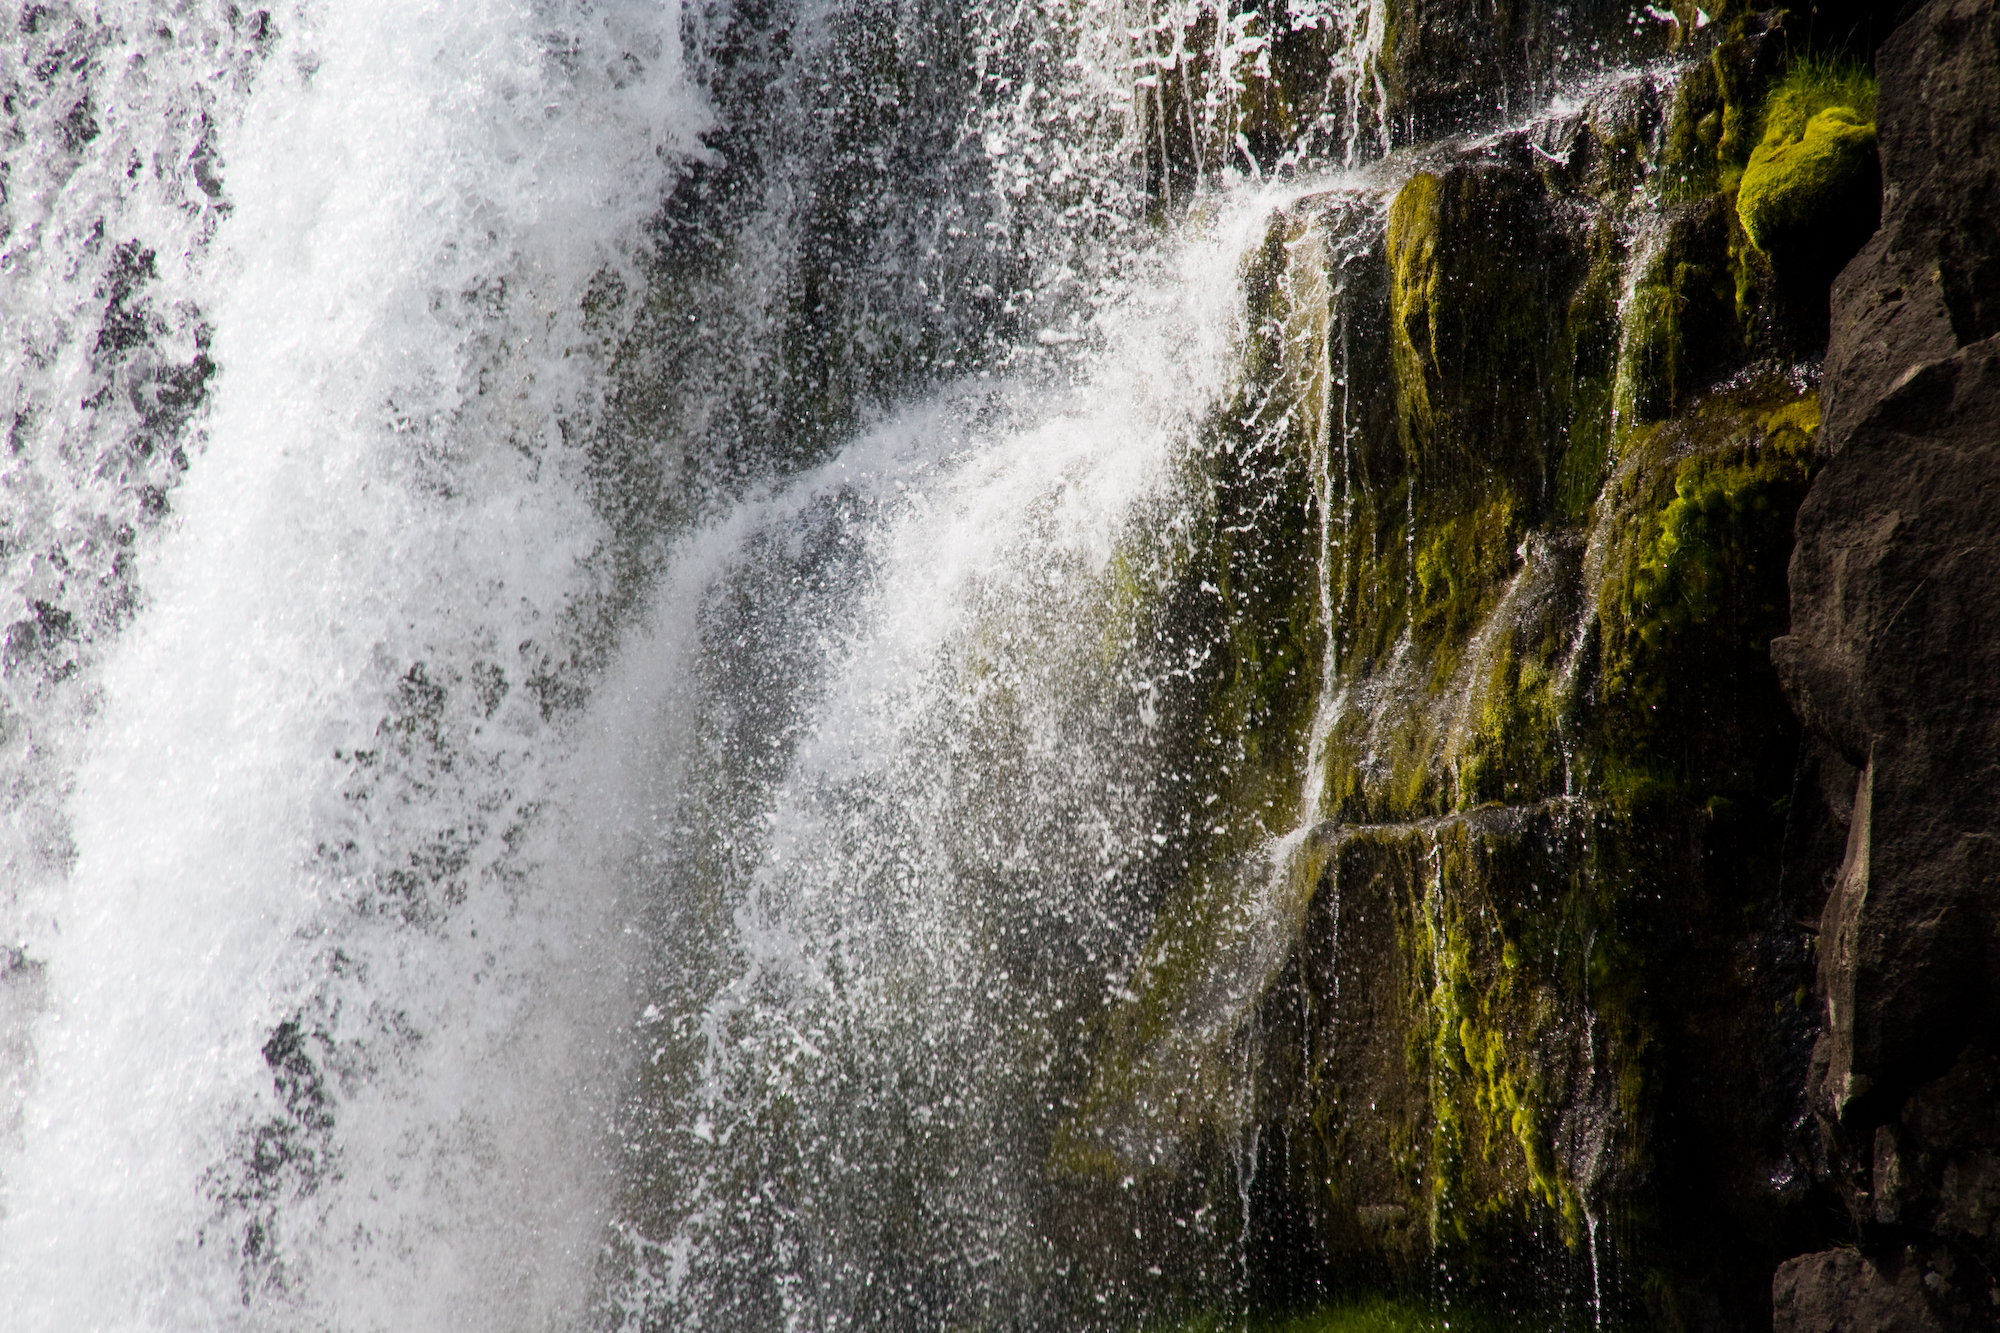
(1814, 165)
(1793, 183)
(1813, 84)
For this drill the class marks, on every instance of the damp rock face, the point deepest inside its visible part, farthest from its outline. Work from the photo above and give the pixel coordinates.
(1643, 963)
(1617, 689)
(1530, 1006)
(1893, 662)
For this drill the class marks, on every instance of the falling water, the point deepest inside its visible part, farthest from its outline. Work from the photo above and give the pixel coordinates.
(444, 890)
(314, 1034)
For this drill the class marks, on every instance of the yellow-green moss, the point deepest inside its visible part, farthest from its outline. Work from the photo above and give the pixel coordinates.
(1484, 532)
(1591, 324)
(1742, 94)
(1812, 84)
(1475, 313)
(1412, 244)
(1812, 167)
(1499, 375)
(1461, 564)
(1695, 587)
(1482, 1006)
(1795, 179)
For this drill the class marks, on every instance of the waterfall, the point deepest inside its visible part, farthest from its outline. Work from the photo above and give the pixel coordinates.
(317, 997)
(930, 809)
(621, 679)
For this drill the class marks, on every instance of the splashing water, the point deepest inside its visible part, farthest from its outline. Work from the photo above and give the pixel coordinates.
(916, 844)
(301, 818)
(415, 916)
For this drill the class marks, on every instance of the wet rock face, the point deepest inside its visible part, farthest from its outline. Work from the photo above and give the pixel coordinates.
(1535, 1013)
(1905, 1289)
(1545, 1010)
(1893, 663)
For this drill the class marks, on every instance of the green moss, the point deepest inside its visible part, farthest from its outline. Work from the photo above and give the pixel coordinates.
(1476, 299)
(1804, 173)
(1507, 743)
(1483, 1005)
(1694, 588)
(1741, 88)
(1412, 243)
(1812, 84)
(1460, 566)
(1680, 321)
(1499, 373)
(1552, 622)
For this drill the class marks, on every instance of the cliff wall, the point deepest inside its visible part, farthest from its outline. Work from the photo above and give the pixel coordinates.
(1624, 969)
(1893, 662)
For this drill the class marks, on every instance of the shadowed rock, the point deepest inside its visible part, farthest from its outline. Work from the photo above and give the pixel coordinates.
(1893, 663)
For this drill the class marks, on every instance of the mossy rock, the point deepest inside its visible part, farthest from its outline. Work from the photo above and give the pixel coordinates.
(1802, 188)
(1430, 1032)
(1483, 341)
(1692, 163)
(1480, 268)
(1243, 606)
(1694, 545)
(1680, 323)
(1462, 1057)
(1454, 1062)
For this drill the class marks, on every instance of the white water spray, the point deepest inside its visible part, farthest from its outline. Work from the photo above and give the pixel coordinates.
(310, 791)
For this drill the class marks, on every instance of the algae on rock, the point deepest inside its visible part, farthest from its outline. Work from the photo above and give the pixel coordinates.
(1477, 1013)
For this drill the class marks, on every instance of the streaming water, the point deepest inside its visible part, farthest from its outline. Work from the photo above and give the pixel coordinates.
(920, 846)
(317, 1009)
(528, 809)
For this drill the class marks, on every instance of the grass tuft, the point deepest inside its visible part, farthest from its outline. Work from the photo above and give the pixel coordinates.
(1813, 84)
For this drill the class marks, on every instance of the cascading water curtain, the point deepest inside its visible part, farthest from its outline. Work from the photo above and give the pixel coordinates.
(306, 313)
(640, 636)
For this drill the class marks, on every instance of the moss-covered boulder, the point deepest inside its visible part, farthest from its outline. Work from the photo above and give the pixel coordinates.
(1808, 196)
(1820, 177)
